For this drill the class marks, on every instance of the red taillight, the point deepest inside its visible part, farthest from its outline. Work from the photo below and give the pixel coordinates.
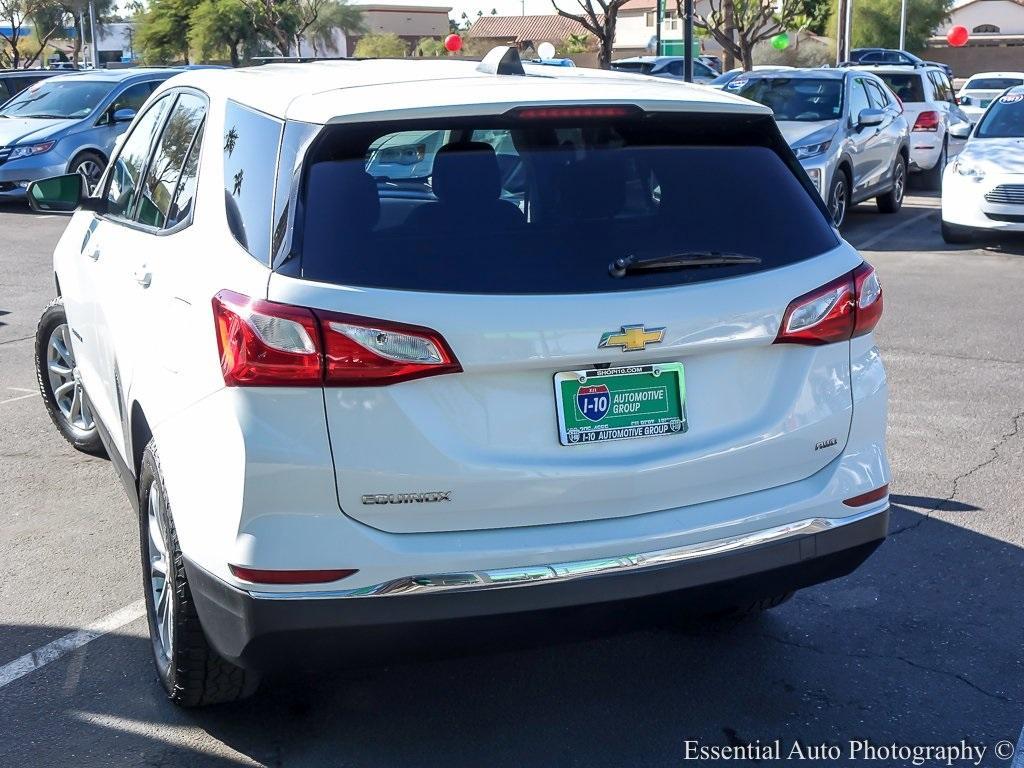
(359, 351)
(263, 343)
(927, 121)
(866, 498)
(848, 306)
(559, 113)
(262, 576)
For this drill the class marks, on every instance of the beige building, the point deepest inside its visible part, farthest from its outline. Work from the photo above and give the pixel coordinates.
(409, 22)
(996, 40)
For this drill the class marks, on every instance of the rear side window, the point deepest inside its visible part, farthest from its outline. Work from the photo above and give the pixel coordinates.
(907, 87)
(250, 144)
(533, 206)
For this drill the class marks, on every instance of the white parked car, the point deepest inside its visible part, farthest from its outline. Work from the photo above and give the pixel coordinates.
(978, 92)
(930, 107)
(553, 372)
(983, 189)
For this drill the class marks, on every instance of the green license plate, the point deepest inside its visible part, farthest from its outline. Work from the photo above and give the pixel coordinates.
(620, 403)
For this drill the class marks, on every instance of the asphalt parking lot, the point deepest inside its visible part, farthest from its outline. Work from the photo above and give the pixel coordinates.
(923, 645)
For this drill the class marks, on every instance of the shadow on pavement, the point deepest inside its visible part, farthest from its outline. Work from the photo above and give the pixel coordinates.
(920, 646)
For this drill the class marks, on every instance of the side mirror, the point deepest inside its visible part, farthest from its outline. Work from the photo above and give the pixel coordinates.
(123, 115)
(63, 194)
(870, 117)
(58, 194)
(960, 130)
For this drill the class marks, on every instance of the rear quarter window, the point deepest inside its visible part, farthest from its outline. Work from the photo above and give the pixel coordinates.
(496, 205)
(250, 144)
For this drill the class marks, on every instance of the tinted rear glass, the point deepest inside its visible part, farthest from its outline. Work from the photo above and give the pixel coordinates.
(798, 98)
(908, 87)
(992, 83)
(503, 206)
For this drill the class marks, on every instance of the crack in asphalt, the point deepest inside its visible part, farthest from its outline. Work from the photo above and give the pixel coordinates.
(927, 515)
(882, 656)
(11, 341)
(889, 349)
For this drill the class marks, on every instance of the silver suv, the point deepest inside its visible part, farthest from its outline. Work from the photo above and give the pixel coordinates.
(846, 128)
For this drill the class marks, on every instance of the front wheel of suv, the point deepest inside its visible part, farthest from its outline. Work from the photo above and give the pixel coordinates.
(191, 672)
(892, 201)
(60, 383)
(91, 166)
(839, 198)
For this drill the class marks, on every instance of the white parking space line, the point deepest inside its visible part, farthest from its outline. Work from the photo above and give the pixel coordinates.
(15, 399)
(72, 641)
(893, 230)
(21, 389)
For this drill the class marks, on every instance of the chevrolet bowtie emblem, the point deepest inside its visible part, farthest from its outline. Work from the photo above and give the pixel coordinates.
(632, 338)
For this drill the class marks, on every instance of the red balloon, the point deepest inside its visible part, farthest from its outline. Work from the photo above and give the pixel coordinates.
(957, 36)
(453, 43)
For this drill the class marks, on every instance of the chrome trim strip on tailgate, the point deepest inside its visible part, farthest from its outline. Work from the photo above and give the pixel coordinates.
(500, 578)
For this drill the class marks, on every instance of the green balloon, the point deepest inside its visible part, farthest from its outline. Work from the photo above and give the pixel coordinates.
(780, 42)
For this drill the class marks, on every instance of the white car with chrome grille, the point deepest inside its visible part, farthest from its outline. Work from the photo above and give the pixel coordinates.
(983, 190)
(392, 351)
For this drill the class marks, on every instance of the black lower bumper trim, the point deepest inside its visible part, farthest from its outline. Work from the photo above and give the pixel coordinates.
(263, 634)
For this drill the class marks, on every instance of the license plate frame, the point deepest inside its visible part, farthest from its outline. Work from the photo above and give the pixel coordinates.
(649, 418)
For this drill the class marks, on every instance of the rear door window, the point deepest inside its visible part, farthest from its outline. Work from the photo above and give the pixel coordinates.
(545, 206)
(907, 87)
(165, 169)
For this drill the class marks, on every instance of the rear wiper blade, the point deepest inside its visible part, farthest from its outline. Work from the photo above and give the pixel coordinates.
(670, 261)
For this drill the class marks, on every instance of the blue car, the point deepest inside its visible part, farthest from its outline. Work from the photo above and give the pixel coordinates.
(69, 123)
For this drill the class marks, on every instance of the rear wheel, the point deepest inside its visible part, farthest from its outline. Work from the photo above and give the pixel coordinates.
(191, 672)
(839, 198)
(60, 383)
(955, 234)
(90, 165)
(932, 178)
(892, 200)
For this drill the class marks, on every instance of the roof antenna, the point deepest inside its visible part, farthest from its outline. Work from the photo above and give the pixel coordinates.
(501, 60)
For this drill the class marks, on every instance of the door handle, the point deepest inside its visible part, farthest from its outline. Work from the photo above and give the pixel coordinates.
(143, 277)
(94, 254)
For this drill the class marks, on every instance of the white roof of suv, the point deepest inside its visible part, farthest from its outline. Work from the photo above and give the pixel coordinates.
(339, 91)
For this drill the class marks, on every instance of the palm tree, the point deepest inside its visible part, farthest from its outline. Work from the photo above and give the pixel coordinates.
(337, 14)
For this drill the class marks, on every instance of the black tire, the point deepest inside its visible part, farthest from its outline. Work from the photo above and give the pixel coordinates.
(71, 421)
(892, 201)
(838, 200)
(932, 178)
(191, 672)
(89, 164)
(955, 234)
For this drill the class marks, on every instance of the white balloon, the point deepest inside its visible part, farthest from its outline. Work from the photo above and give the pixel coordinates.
(546, 51)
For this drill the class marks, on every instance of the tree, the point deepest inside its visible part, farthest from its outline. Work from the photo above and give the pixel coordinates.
(577, 43)
(332, 16)
(381, 46)
(876, 23)
(219, 25)
(162, 33)
(751, 22)
(277, 21)
(599, 17)
(21, 47)
(430, 46)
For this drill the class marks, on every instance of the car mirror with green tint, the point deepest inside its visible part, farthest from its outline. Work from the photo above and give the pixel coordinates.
(58, 194)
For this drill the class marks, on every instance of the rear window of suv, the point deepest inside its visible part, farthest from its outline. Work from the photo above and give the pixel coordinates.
(520, 205)
(907, 86)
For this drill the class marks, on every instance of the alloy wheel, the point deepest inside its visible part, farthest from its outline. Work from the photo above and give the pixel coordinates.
(837, 205)
(161, 585)
(65, 381)
(92, 172)
(899, 184)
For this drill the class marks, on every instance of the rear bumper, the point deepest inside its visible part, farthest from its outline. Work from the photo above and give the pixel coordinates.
(442, 611)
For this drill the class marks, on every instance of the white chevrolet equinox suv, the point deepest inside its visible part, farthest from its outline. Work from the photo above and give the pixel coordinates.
(385, 351)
